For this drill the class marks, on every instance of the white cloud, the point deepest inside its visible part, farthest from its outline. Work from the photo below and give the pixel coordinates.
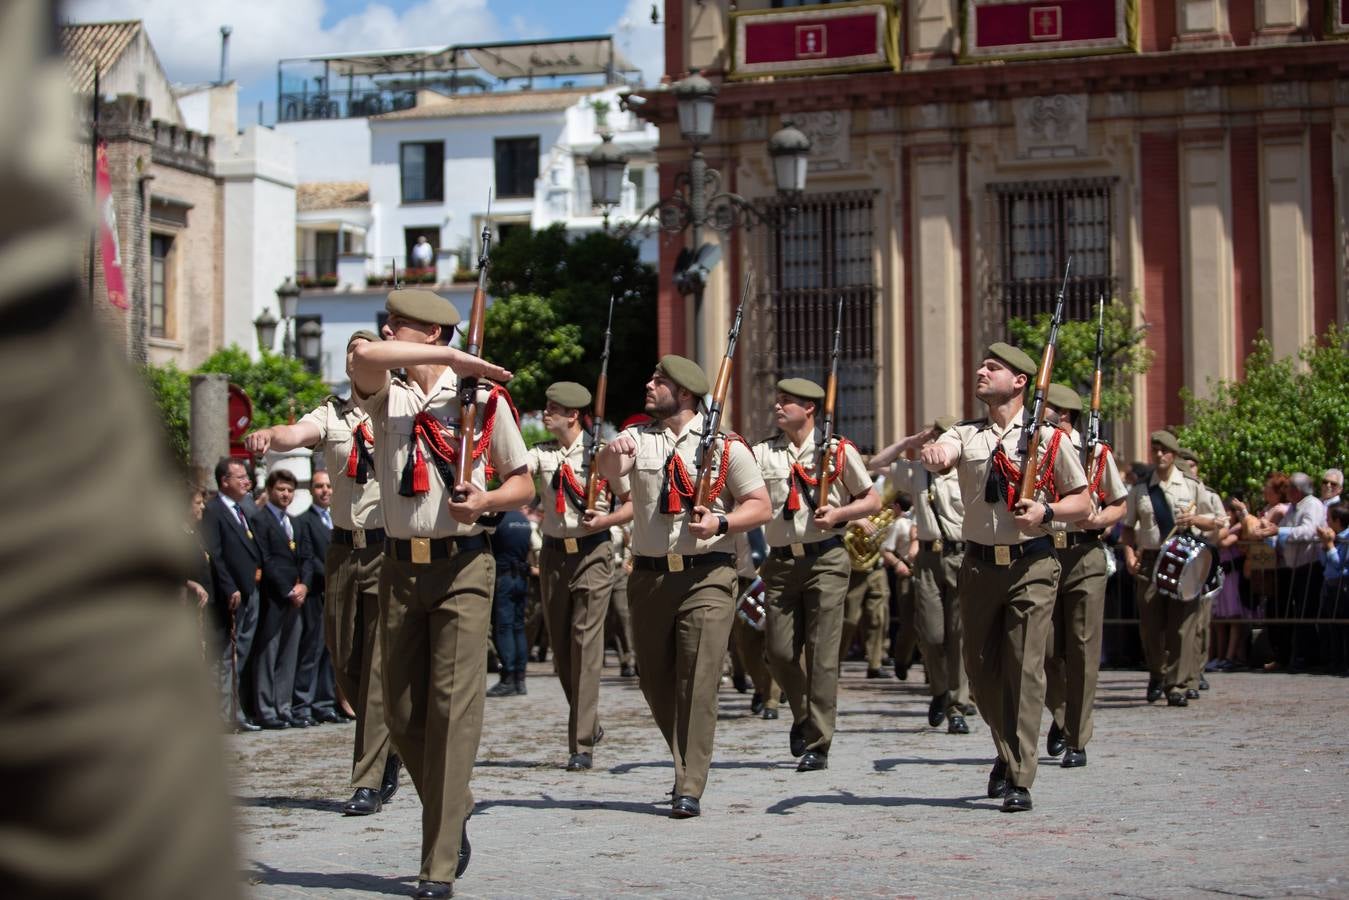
(640, 41)
(187, 35)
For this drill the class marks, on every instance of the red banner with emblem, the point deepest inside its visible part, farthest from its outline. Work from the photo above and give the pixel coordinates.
(107, 233)
(848, 37)
(1007, 29)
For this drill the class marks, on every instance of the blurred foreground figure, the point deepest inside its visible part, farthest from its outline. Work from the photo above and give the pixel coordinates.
(110, 751)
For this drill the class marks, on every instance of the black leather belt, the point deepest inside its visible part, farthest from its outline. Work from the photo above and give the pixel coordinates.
(805, 551)
(1076, 538)
(571, 546)
(1006, 554)
(373, 536)
(438, 548)
(667, 563)
(942, 546)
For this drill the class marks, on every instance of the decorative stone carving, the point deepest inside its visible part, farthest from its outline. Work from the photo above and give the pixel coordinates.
(932, 115)
(882, 118)
(1052, 126)
(984, 112)
(830, 138)
(1202, 99)
(753, 128)
(1122, 104)
(1286, 93)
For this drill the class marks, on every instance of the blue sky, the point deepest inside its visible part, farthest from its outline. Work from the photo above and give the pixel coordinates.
(187, 35)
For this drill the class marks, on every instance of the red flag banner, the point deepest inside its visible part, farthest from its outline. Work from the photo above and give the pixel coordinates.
(848, 37)
(107, 233)
(1012, 29)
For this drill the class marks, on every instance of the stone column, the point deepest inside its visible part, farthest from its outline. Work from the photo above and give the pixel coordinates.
(208, 426)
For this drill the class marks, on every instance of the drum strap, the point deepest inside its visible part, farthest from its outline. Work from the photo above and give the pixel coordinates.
(1161, 511)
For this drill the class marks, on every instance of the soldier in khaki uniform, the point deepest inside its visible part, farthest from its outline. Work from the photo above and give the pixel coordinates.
(1073, 657)
(576, 563)
(1010, 574)
(682, 589)
(938, 517)
(866, 609)
(341, 430)
(1152, 513)
(747, 642)
(1209, 517)
(436, 580)
(807, 569)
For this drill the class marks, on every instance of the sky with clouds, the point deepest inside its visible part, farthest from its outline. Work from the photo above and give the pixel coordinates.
(187, 35)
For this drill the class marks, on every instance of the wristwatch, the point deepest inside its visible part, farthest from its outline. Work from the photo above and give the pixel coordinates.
(722, 525)
(1048, 516)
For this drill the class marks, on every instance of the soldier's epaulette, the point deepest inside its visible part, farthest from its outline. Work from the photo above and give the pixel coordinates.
(978, 423)
(548, 445)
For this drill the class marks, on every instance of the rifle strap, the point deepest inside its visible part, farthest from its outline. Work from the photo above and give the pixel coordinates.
(1008, 474)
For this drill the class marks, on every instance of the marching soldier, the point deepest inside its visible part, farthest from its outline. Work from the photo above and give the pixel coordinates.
(682, 589)
(1010, 574)
(1153, 512)
(1210, 517)
(938, 517)
(1073, 657)
(436, 579)
(807, 569)
(866, 610)
(341, 430)
(576, 563)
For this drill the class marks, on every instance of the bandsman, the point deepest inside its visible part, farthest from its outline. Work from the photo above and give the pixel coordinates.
(1209, 517)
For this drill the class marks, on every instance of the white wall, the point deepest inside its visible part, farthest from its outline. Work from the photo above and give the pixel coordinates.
(258, 171)
(330, 149)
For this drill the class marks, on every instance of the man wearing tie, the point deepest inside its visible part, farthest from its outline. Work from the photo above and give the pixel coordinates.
(236, 567)
(287, 572)
(315, 684)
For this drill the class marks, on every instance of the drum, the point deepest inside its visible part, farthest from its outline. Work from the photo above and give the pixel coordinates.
(750, 608)
(1187, 568)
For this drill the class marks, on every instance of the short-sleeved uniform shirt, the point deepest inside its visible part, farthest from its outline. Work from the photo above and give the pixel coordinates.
(991, 522)
(1182, 493)
(354, 505)
(655, 533)
(1112, 484)
(393, 411)
(545, 459)
(775, 457)
(938, 510)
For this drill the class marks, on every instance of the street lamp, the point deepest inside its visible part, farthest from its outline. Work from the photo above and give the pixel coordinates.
(696, 100)
(288, 298)
(265, 325)
(607, 165)
(311, 338)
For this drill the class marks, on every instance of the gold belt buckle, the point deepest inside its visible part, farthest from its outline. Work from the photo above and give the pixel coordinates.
(257, 575)
(1060, 540)
(292, 546)
(1002, 555)
(936, 546)
(358, 538)
(571, 545)
(674, 562)
(421, 550)
(798, 550)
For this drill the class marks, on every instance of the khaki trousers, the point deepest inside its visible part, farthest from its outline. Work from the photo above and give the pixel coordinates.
(936, 620)
(681, 623)
(1073, 661)
(1168, 629)
(619, 621)
(1007, 618)
(1203, 623)
(905, 638)
(575, 590)
(434, 640)
(351, 629)
(866, 605)
(748, 643)
(804, 601)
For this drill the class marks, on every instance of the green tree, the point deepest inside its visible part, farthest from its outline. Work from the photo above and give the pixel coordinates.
(270, 382)
(1286, 415)
(172, 392)
(525, 333)
(1124, 356)
(576, 279)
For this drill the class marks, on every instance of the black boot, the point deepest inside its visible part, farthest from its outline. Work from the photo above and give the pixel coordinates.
(520, 682)
(503, 688)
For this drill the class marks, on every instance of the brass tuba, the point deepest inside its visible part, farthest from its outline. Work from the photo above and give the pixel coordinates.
(865, 549)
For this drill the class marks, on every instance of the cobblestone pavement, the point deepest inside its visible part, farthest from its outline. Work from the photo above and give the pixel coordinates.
(1243, 793)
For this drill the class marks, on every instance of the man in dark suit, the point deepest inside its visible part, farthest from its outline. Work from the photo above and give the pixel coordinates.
(287, 573)
(315, 684)
(236, 567)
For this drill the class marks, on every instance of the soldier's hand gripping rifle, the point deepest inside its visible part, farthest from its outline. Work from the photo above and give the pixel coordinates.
(468, 387)
(703, 455)
(1094, 417)
(1029, 449)
(823, 472)
(597, 415)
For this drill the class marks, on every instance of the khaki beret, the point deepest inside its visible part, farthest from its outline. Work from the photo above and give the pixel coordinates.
(568, 394)
(801, 387)
(365, 334)
(1016, 358)
(1064, 398)
(1167, 440)
(422, 306)
(944, 424)
(1188, 454)
(684, 372)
